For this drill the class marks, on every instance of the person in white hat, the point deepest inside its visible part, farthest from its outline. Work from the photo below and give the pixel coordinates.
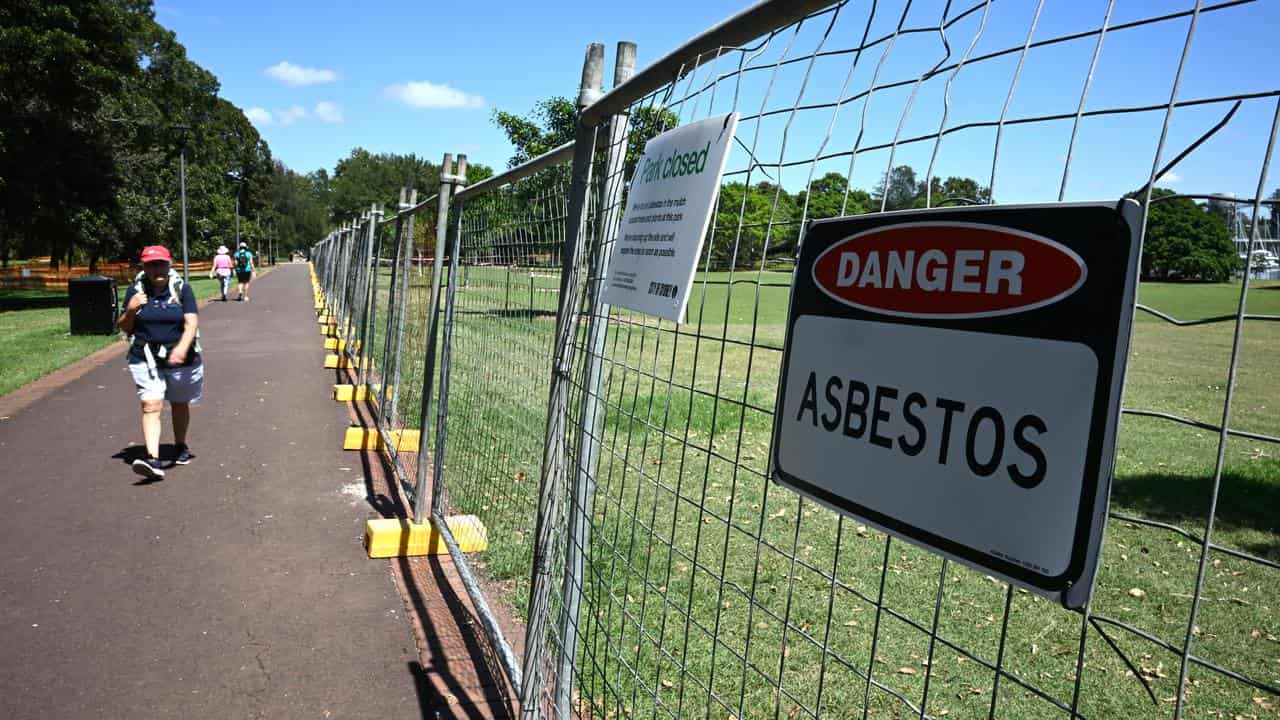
(221, 269)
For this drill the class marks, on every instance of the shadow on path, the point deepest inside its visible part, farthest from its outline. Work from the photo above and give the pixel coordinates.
(465, 680)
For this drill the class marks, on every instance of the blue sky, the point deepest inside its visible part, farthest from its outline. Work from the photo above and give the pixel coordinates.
(321, 78)
(504, 55)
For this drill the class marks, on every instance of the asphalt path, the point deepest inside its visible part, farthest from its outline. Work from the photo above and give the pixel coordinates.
(235, 588)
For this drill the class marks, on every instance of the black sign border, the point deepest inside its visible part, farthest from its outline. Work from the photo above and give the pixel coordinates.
(1104, 418)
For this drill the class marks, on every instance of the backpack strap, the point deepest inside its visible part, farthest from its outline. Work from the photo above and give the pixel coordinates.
(176, 283)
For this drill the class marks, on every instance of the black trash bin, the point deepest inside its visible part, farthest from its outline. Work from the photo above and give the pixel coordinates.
(93, 305)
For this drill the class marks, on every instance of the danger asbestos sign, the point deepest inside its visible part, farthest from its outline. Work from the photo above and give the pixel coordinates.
(953, 377)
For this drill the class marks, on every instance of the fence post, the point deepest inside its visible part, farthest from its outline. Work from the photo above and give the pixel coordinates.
(355, 251)
(361, 249)
(404, 260)
(447, 180)
(331, 271)
(387, 333)
(349, 250)
(554, 447)
(588, 452)
(336, 272)
(369, 313)
(442, 407)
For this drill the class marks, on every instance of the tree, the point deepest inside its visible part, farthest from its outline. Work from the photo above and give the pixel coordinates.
(363, 178)
(965, 190)
(743, 225)
(829, 196)
(59, 61)
(90, 94)
(552, 122)
(900, 187)
(1224, 209)
(1186, 241)
(550, 125)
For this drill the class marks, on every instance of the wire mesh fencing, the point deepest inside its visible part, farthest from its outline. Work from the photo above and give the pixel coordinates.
(378, 301)
(621, 462)
(503, 303)
(711, 592)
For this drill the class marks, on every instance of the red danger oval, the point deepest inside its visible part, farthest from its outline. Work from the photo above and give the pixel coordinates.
(949, 270)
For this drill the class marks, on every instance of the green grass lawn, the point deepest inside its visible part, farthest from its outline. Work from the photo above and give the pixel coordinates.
(709, 588)
(33, 320)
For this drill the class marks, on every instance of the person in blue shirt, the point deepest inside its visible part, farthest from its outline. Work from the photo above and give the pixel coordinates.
(161, 317)
(244, 270)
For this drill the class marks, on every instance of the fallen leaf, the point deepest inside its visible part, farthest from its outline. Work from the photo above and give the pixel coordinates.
(1137, 592)
(907, 671)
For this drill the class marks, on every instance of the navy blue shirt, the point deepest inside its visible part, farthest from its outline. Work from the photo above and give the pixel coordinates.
(160, 322)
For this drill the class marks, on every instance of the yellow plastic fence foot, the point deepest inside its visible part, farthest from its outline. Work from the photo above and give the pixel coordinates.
(346, 393)
(398, 537)
(358, 438)
(336, 362)
(333, 343)
(326, 319)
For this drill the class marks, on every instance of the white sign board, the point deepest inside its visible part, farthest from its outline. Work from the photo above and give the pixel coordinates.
(668, 210)
(953, 376)
(876, 396)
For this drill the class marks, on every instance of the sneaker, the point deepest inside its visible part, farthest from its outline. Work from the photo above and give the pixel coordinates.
(184, 456)
(149, 468)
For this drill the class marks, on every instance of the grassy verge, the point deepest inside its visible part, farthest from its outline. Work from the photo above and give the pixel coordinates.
(712, 592)
(35, 336)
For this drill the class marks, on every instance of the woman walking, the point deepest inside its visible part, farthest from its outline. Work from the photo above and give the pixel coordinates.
(222, 270)
(244, 270)
(164, 357)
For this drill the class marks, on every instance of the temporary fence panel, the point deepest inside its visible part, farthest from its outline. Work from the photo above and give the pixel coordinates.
(621, 462)
(709, 591)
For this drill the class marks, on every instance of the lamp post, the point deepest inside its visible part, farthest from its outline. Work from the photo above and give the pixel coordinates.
(182, 191)
(238, 179)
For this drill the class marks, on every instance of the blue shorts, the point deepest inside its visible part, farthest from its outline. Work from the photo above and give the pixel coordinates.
(175, 384)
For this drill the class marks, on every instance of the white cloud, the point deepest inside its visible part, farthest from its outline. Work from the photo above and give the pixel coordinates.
(1170, 178)
(423, 94)
(297, 75)
(291, 114)
(328, 112)
(258, 116)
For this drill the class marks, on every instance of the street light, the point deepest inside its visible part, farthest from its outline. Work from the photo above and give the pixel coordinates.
(182, 131)
(238, 179)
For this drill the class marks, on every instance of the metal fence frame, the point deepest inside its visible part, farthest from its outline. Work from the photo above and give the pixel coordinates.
(348, 262)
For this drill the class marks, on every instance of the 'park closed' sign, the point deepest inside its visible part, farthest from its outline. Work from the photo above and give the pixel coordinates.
(953, 377)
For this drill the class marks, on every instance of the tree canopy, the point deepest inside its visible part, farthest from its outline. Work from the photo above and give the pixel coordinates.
(1186, 241)
(97, 102)
(363, 178)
